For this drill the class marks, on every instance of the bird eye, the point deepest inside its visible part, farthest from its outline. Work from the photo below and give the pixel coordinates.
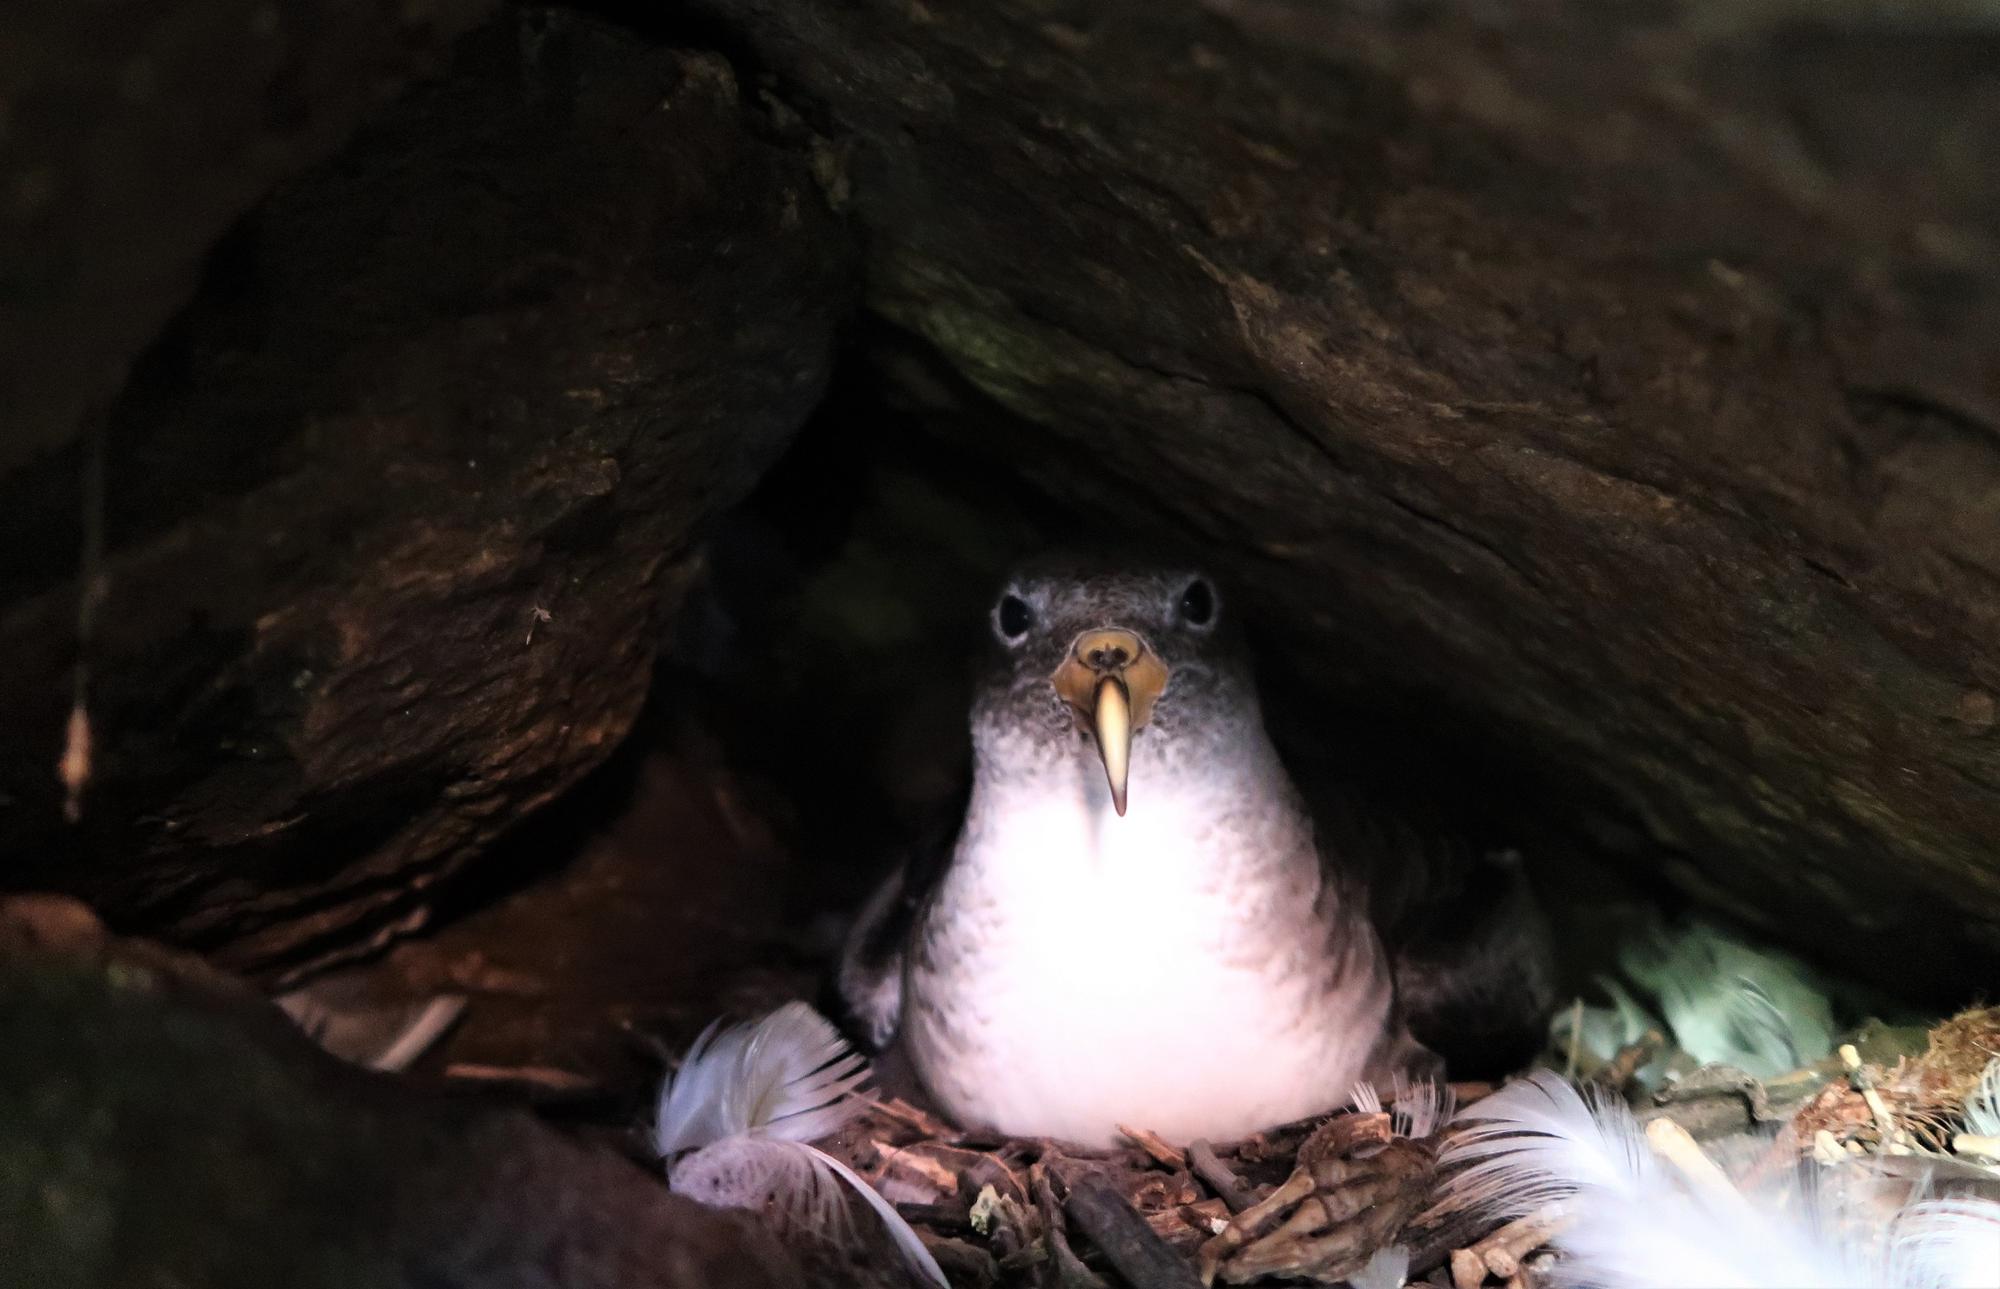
(1013, 617)
(1198, 603)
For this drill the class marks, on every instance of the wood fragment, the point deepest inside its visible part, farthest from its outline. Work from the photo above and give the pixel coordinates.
(1127, 1243)
(929, 1125)
(1468, 1269)
(1182, 1228)
(1154, 1145)
(1505, 1249)
(1448, 1223)
(1218, 1176)
(1254, 1221)
(951, 1218)
(1207, 1216)
(1625, 1065)
(919, 1165)
(1894, 1140)
(537, 1082)
(1575, 1040)
(1069, 1270)
(1341, 1134)
(1672, 1143)
(1333, 1233)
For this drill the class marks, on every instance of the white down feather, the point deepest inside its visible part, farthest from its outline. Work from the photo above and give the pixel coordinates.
(1637, 1225)
(737, 1120)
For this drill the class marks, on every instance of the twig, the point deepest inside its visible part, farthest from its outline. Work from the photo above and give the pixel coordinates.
(1894, 1140)
(1631, 1058)
(1575, 1039)
(1127, 1242)
(541, 1083)
(1069, 1269)
(73, 767)
(1437, 1232)
(1154, 1145)
(1503, 1251)
(929, 1125)
(1218, 1176)
(1672, 1143)
(931, 1170)
(938, 1217)
(422, 1034)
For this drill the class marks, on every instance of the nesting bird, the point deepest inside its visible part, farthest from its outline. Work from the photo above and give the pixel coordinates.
(1137, 922)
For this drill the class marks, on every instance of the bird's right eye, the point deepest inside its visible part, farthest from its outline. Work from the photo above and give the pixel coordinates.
(1013, 617)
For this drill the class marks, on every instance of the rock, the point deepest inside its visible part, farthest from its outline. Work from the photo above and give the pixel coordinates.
(401, 506)
(1620, 387)
(161, 1124)
(130, 141)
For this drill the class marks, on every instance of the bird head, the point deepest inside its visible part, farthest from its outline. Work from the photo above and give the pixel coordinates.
(1105, 656)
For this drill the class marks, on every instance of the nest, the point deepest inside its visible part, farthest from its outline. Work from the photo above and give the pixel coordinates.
(1317, 1202)
(1311, 1201)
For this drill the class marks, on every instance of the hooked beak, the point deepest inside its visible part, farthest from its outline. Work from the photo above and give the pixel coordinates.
(1111, 680)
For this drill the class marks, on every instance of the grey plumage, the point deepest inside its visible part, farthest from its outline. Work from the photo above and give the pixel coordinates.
(1205, 964)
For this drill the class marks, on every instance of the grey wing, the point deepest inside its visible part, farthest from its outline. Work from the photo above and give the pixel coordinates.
(1475, 968)
(871, 964)
(1472, 954)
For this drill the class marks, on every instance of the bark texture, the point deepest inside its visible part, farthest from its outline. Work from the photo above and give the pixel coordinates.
(1622, 378)
(399, 509)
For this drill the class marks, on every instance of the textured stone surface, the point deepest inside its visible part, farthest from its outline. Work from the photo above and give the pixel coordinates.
(160, 1124)
(1619, 379)
(400, 507)
(132, 135)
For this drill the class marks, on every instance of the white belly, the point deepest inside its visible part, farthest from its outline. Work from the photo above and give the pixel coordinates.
(1085, 971)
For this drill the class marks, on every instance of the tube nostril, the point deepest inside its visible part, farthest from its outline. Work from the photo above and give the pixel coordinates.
(1107, 650)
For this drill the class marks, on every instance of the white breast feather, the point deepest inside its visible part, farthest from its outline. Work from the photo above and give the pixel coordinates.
(1106, 970)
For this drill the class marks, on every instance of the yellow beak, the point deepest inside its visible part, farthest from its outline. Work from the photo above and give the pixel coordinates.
(1111, 680)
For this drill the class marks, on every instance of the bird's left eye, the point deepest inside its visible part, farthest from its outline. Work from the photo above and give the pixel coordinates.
(1198, 603)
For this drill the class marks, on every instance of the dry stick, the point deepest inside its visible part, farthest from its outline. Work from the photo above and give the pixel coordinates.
(1439, 1231)
(1127, 1242)
(1468, 1269)
(1625, 1065)
(1254, 1222)
(933, 1172)
(950, 1218)
(1221, 1179)
(1674, 1144)
(1575, 1039)
(539, 1083)
(93, 583)
(1069, 1268)
(1503, 1251)
(1894, 1140)
(928, 1124)
(1154, 1145)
